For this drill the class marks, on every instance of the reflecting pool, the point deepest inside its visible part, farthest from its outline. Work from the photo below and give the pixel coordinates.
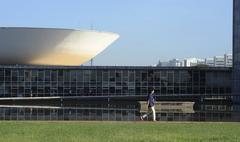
(118, 111)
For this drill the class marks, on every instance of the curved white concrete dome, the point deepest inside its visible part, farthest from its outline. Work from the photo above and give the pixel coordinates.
(47, 46)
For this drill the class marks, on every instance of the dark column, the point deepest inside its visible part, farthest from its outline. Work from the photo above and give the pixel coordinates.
(236, 49)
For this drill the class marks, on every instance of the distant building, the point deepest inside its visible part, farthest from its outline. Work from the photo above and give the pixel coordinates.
(228, 59)
(216, 61)
(209, 61)
(201, 62)
(219, 61)
(190, 62)
(175, 63)
(170, 63)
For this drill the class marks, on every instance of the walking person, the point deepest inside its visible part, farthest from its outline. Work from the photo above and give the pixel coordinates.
(151, 106)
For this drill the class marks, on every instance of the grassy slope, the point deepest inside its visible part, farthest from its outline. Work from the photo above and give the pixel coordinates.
(118, 132)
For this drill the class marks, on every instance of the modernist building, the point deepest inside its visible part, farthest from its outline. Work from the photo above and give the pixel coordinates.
(42, 65)
(59, 92)
(42, 48)
(136, 82)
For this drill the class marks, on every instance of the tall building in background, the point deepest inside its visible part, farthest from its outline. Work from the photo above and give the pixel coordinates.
(236, 49)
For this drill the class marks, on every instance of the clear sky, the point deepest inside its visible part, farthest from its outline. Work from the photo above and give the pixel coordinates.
(150, 29)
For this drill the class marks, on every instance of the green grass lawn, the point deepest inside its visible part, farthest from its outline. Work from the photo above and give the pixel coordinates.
(12, 131)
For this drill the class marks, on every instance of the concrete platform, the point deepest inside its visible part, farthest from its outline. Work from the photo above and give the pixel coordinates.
(169, 106)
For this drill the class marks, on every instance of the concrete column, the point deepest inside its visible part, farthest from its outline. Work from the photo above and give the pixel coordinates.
(236, 50)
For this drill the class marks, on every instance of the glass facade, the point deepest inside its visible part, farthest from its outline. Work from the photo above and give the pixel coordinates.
(44, 81)
(236, 49)
(118, 112)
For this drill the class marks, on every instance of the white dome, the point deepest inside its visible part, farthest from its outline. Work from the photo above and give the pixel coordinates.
(47, 46)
